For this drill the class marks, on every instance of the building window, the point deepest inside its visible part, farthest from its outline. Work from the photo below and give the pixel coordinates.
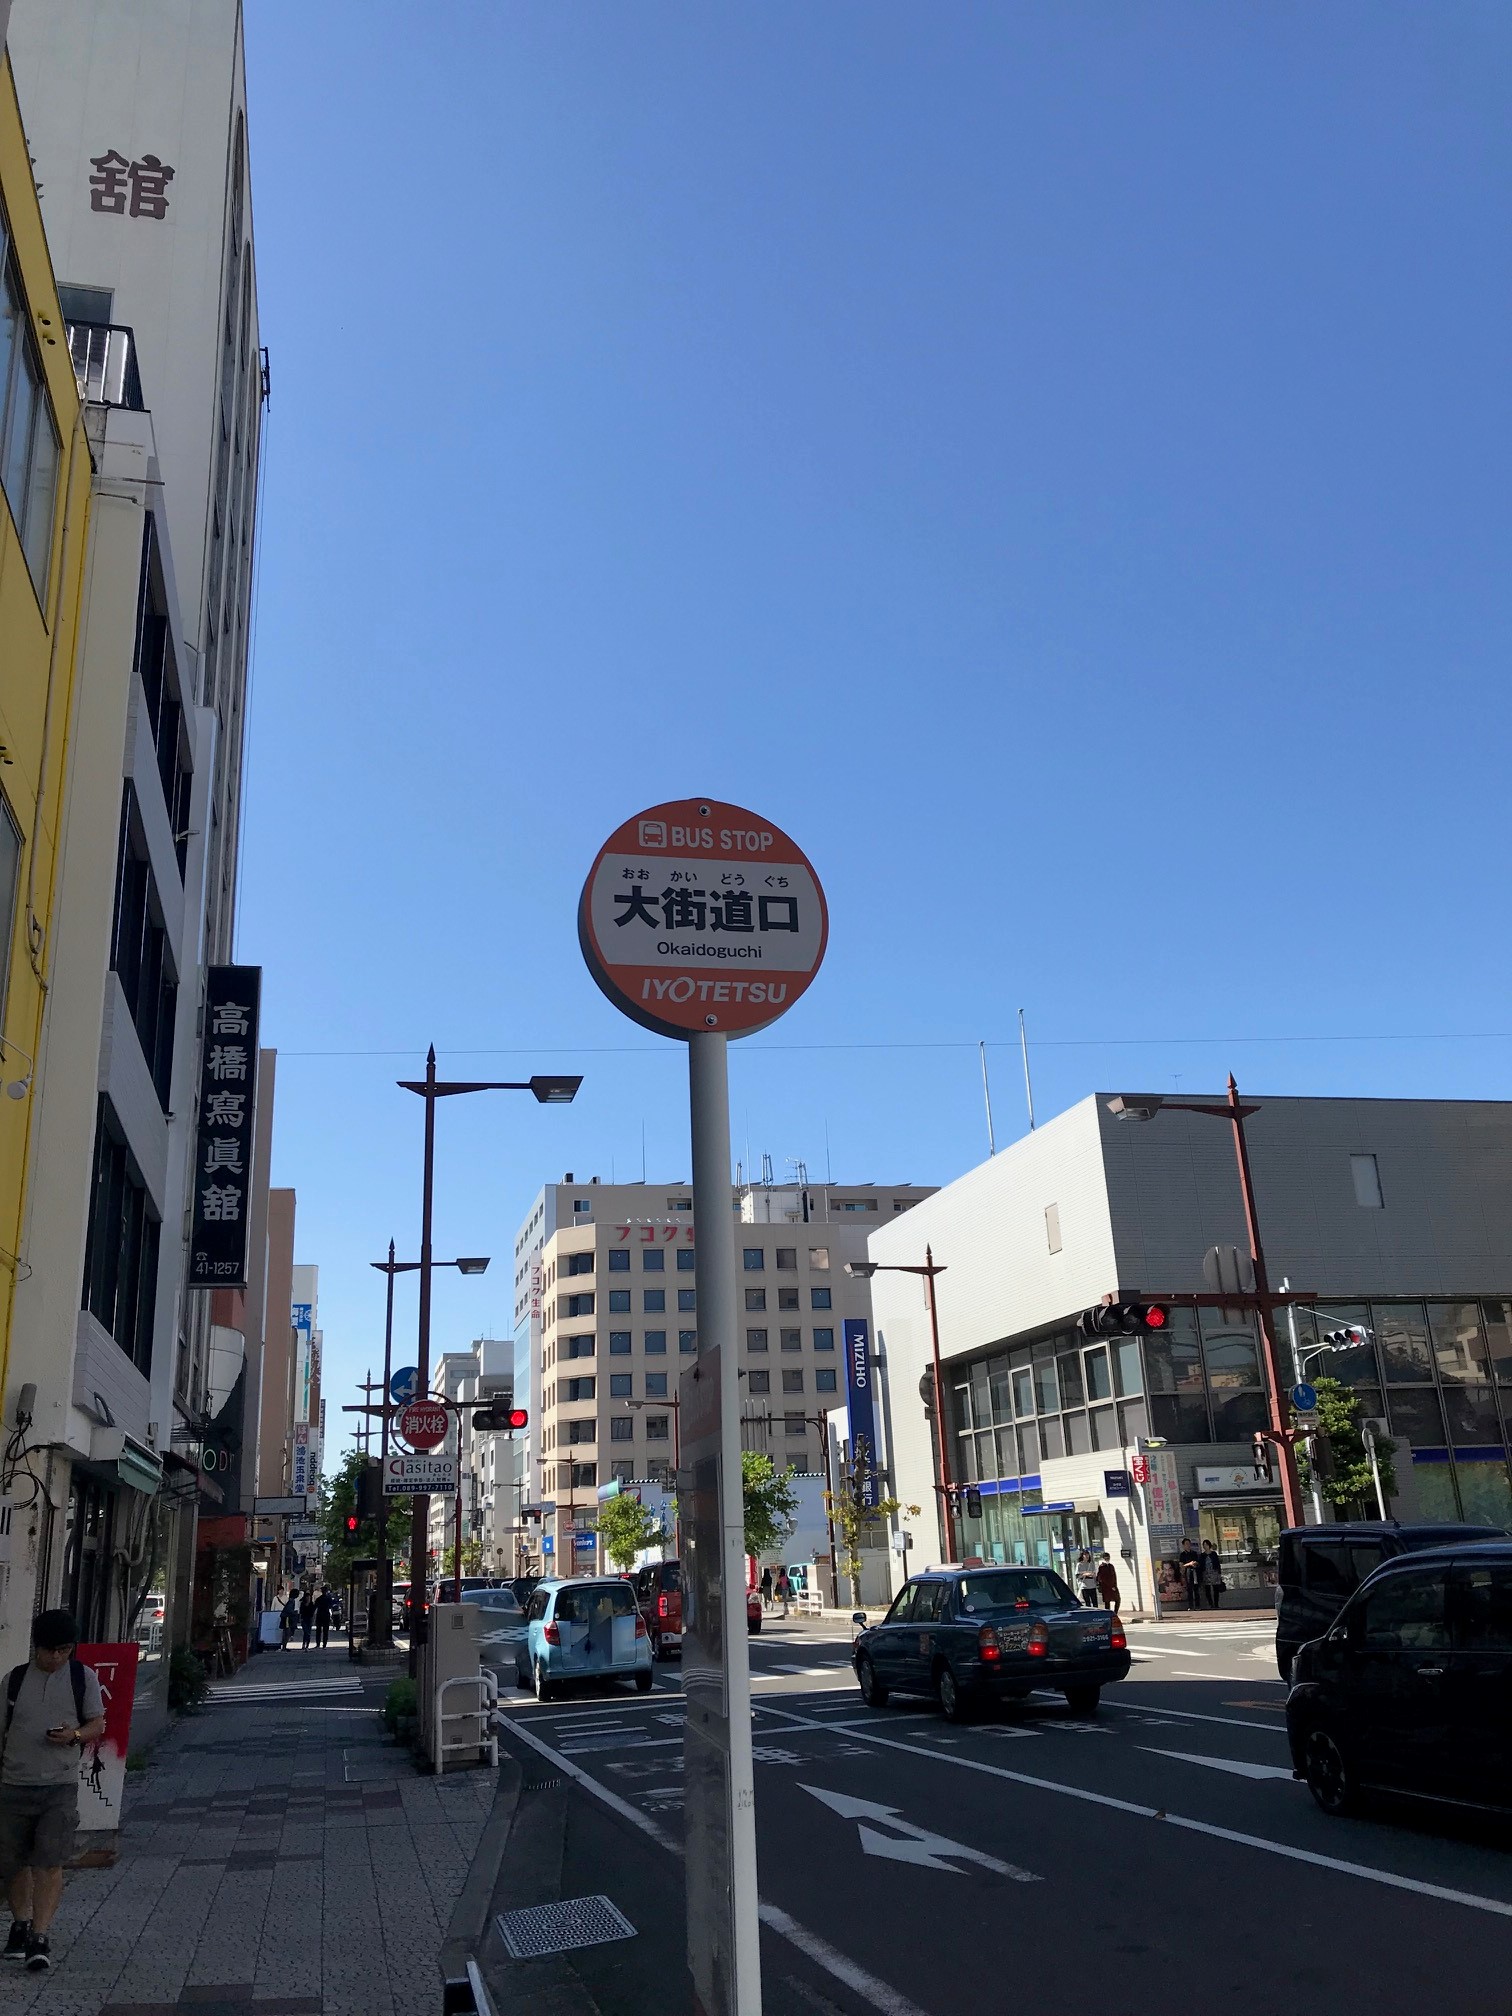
(787, 1298)
(139, 952)
(824, 1339)
(853, 1203)
(687, 1298)
(619, 1343)
(754, 1259)
(619, 1301)
(10, 883)
(653, 1301)
(679, 1203)
(582, 1207)
(121, 1252)
(687, 1340)
(28, 439)
(656, 1385)
(585, 1476)
(658, 1427)
(1052, 1227)
(580, 1389)
(1367, 1181)
(621, 1385)
(621, 1428)
(585, 1430)
(794, 1425)
(755, 1299)
(792, 1382)
(687, 1260)
(659, 1473)
(787, 1259)
(656, 1342)
(579, 1347)
(824, 1379)
(579, 1263)
(756, 1340)
(622, 1471)
(653, 1260)
(792, 1340)
(819, 1298)
(819, 1258)
(759, 1381)
(619, 1260)
(579, 1305)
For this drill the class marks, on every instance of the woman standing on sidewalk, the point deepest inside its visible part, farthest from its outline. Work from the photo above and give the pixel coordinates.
(306, 1620)
(1210, 1575)
(1086, 1578)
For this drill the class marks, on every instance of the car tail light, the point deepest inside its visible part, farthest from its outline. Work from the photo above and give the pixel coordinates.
(664, 1606)
(552, 1635)
(1039, 1641)
(1118, 1641)
(640, 1625)
(987, 1645)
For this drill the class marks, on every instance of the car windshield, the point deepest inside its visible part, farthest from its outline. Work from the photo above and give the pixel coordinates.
(492, 1599)
(1012, 1589)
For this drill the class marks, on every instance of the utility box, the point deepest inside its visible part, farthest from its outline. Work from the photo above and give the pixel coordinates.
(451, 1652)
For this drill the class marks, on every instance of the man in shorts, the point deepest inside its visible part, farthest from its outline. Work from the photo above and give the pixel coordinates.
(52, 1708)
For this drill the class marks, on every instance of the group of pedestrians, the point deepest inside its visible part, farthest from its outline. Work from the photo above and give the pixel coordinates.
(310, 1615)
(776, 1589)
(1097, 1581)
(1203, 1575)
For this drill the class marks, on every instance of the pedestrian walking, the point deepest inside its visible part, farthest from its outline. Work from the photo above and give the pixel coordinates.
(783, 1589)
(766, 1588)
(324, 1609)
(1210, 1575)
(306, 1619)
(53, 1708)
(1189, 1561)
(1086, 1578)
(288, 1617)
(1107, 1583)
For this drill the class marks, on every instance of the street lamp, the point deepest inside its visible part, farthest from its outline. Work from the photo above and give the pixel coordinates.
(863, 1270)
(1145, 1107)
(549, 1092)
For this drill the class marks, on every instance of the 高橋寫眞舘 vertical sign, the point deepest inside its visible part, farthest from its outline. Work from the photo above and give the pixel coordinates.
(222, 1172)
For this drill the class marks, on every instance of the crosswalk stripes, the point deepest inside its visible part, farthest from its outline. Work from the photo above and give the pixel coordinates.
(309, 1690)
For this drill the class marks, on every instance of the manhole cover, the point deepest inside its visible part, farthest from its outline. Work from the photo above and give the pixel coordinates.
(558, 1928)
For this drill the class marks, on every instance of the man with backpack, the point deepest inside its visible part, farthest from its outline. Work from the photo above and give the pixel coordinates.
(53, 1709)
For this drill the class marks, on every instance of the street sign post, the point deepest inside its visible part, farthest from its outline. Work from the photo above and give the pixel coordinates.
(702, 921)
(1304, 1397)
(426, 1474)
(424, 1424)
(405, 1385)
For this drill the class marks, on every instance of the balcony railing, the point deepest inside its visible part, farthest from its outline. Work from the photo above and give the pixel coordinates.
(105, 364)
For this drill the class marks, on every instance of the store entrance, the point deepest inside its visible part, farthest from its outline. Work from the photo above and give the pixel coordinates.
(1247, 1536)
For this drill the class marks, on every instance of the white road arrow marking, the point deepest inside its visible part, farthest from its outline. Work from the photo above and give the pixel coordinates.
(1230, 1764)
(917, 1845)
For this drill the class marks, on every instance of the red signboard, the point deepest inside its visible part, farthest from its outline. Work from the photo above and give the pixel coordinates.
(423, 1424)
(699, 916)
(1139, 1469)
(102, 1764)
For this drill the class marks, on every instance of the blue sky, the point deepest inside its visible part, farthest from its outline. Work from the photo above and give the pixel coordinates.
(1051, 459)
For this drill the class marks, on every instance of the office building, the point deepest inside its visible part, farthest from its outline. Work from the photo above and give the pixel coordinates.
(1389, 1214)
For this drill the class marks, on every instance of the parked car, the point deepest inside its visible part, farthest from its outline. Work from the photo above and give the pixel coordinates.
(587, 1629)
(1410, 1691)
(1319, 1568)
(501, 1628)
(970, 1636)
(522, 1585)
(658, 1592)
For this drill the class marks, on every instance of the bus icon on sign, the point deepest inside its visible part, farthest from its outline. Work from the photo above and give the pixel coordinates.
(653, 833)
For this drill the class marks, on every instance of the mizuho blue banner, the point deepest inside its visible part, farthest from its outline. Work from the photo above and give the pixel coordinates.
(861, 1407)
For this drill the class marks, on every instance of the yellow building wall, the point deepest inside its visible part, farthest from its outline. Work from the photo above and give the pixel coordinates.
(39, 643)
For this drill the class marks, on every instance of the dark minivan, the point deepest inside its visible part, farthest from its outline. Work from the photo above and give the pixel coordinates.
(1411, 1690)
(1319, 1568)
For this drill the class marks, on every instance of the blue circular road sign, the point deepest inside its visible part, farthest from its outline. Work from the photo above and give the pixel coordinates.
(1304, 1397)
(405, 1385)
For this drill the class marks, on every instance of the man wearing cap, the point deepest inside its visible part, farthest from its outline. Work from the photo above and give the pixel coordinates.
(52, 1707)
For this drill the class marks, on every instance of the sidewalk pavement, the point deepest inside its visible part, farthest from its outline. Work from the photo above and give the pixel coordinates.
(279, 1856)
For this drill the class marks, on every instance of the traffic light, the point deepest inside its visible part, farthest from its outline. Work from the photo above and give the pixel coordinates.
(352, 1524)
(369, 1491)
(973, 1503)
(1260, 1456)
(504, 1420)
(1123, 1319)
(1346, 1339)
(1323, 1458)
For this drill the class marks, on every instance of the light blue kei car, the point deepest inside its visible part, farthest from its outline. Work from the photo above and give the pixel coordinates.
(586, 1629)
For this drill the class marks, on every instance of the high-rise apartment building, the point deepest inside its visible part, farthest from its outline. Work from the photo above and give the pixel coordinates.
(607, 1313)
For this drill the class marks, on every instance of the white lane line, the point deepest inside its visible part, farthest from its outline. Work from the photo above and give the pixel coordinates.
(1191, 1715)
(618, 1743)
(1189, 1673)
(1386, 1877)
(1234, 1765)
(872, 1990)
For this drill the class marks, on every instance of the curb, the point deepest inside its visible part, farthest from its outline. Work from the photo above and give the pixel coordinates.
(469, 1919)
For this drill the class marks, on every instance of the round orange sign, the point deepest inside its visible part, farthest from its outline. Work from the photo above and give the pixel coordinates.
(698, 916)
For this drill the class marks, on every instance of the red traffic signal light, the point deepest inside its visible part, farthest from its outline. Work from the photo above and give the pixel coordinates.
(1156, 1316)
(352, 1522)
(518, 1417)
(1123, 1319)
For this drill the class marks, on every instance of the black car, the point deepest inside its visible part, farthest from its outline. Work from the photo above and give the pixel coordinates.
(1319, 1568)
(971, 1636)
(1411, 1690)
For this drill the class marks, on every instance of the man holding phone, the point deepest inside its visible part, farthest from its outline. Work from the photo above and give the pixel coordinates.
(52, 1707)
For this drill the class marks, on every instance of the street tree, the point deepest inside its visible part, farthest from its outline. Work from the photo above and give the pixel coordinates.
(627, 1528)
(856, 1523)
(1351, 1486)
(771, 1503)
(338, 1502)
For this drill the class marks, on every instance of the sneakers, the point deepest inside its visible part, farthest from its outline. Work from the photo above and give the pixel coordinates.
(15, 1946)
(38, 1953)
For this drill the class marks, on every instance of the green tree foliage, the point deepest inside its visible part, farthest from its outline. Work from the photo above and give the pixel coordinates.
(1351, 1486)
(472, 1559)
(771, 1503)
(338, 1499)
(627, 1528)
(856, 1523)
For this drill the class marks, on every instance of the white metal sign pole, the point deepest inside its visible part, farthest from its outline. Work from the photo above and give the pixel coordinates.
(718, 1325)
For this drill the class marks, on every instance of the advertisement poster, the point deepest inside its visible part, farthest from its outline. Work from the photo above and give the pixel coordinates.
(860, 1405)
(102, 1765)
